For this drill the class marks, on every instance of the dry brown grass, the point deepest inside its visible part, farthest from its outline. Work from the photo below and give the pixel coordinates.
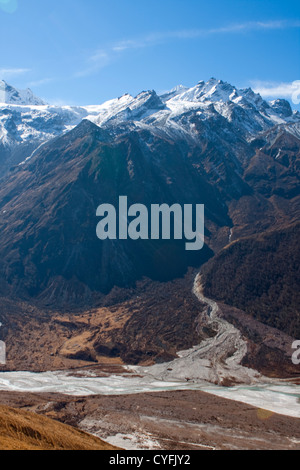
(21, 430)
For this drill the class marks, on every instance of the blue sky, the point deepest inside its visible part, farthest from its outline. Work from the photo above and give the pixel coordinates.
(88, 51)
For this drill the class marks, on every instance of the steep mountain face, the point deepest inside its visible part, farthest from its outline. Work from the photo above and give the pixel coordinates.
(211, 144)
(50, 205)
(26, 121)
(264, 278)
(10, 95)
(175, 111)
(23, 128)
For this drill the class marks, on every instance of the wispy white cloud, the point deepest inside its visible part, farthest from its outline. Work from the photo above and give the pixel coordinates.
(99, 57)
(256, 26)
(96, 62)
(41, 82)
(103, 57)
(289, 90)
(160, 37)
(6, 74)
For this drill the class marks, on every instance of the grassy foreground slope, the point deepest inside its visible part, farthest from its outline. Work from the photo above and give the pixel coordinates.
(21, 430)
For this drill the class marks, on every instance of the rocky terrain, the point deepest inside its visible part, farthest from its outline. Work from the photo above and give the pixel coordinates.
(265, 284)
(212, 144)
(182, 420)
(143, 326)
(69, 300)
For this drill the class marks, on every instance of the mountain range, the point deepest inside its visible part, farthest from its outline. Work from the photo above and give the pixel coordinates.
(213, 144)
(27, 121)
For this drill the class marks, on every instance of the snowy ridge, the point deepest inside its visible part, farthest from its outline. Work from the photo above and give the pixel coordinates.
(179, 113)
(11, 95)
(177, 108)
(28, 123)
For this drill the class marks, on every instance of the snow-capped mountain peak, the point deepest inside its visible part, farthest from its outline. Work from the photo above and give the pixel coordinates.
(190, 113)
(213, 90)
(178, 90)
(11, 95)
